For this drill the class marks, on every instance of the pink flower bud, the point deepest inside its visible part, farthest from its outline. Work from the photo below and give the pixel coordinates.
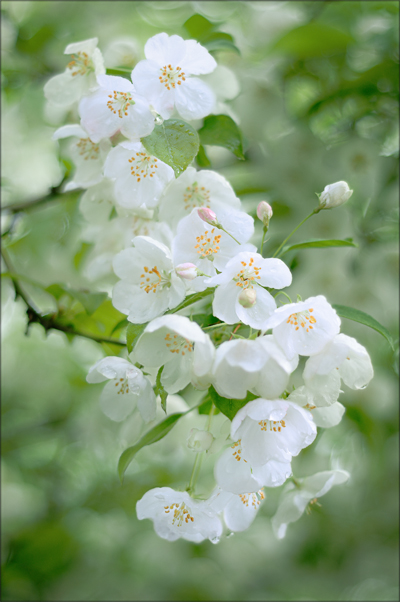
(188, 271)
(264, 212)
(247, 297)
(207, 215)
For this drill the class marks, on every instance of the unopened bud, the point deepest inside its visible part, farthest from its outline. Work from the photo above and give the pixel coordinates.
(334, 195)
(208, 215)
(188, 271)
(264, 212)
(247, 297)
(199, 441)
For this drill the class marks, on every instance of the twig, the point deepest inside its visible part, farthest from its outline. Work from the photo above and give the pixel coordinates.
(54, 192)
(49, 322)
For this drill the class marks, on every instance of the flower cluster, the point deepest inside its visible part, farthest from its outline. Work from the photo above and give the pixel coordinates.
(175, 242)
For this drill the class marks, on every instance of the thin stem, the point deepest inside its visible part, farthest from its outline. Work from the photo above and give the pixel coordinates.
(215, 326)
(283, 293)
(199, 458)
(229, 234)
(55, 192)
(265, 230)
(316, 210)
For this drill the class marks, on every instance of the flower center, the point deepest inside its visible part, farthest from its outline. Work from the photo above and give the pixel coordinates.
(150, 280)
(122, 386)
(178, 344)
(196, 197)
(274, 425)
(237, 451)
(170, 76)
(181, 514)
(254, 499)
(120, 103)
(143, 165)
(208, 245)
(303, 319)
(88, 149)
(80, 64)
(245, 278)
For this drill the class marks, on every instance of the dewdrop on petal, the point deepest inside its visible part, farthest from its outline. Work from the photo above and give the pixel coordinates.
(188, 271)
(247, 297)
(264, 212)
(199, 441)
(208, 216)
(334, 195)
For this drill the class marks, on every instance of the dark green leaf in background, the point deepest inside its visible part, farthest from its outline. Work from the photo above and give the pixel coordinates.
(221, 130)
(175, 142)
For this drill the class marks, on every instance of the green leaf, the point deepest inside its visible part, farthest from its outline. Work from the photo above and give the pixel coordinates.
(220, 41)
(90, 301)
(201, 158)
(133, 332)
(190, 299)
(312, 40)
(175, 142)
(159, 390)
(198, 26)
(319, 243)
(120, 72)
(229, 407)
(81, 254)
(152, 436)
(359, 316)
(121, 324)
(221, 130)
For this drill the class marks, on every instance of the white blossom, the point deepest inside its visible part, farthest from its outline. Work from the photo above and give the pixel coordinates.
(115, 106)
(248, 270)
(236, 473)
(238, 510)
(258, 366)
(169, 341)
(79, 78)
(272, 430)
(295, 499)
(164, 78)
(304, 327)
(126, 389)
(139, 177)
(149, 284)
(88, 156)
(176, 515)
(334, 195)
(199, 440)
(208, 247)
(195, 189)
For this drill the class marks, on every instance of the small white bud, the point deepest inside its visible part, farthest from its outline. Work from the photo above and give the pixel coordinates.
(199, 441)
(334, 195)
(247, 297)
(264, 212)
(188, 271)
(208, 216)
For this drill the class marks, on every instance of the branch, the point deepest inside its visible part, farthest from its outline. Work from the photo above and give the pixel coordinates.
(49, 322)
(54, 192)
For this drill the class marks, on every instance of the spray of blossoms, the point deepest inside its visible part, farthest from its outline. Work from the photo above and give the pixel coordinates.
(204, 300)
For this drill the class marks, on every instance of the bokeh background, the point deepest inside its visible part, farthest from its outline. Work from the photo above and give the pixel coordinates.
(318, 103)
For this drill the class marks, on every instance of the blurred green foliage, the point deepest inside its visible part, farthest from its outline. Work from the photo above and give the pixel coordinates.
(318, 103)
